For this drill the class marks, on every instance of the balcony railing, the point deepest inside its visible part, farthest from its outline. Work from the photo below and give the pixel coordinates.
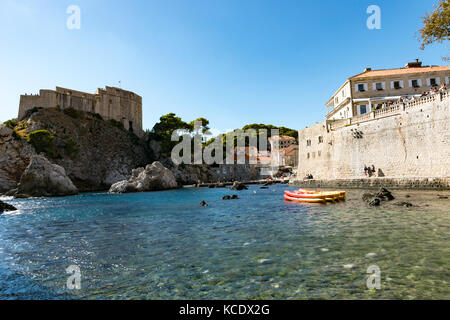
(392, 110)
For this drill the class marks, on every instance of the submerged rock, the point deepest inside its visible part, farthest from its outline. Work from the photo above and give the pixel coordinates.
(203, 203)
(6, 207)
(154, 177)
(385, 194)
(44, 179)
(239, 186)
(375, 199)
(368, 196)
(404, 204)
(375, 202)
(232, 197)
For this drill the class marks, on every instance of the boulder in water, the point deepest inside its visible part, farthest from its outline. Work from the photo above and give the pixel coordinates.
(385, 194)
(367, 196)
(375, 202)
(6, 207)
(239, 186)
(123, 187)
(44, 179)
(154, 177)
(404, 204)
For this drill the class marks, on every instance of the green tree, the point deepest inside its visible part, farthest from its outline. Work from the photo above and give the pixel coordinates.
(204, 124)
(168, 123)
(436, 24)
(163, 130)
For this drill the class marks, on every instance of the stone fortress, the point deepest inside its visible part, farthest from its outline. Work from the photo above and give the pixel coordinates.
(382, 118)
(111, 103)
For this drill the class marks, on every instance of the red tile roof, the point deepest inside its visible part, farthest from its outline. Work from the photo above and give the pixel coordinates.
(398, 72)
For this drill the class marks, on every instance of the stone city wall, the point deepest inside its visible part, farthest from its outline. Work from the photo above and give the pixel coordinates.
(408, 141)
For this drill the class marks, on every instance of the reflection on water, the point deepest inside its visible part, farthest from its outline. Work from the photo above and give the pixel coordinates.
(163, 245)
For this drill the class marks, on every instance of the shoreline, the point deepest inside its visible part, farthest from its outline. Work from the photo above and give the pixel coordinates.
(410, 183)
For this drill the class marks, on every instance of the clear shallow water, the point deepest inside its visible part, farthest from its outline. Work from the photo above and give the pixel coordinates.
(163, 245)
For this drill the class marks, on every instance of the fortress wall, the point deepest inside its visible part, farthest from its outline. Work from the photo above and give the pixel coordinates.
(413, 143)
(28, 102)
(111, 103)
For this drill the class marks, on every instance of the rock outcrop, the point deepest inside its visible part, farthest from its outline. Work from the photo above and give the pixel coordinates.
(95, 153)
(154, 177)
(404, 204)
(239, 186)
(6, 207)
(15, 155)
(385, 194)
(232, 197)
(376, 199)
(44, 179)
(192, 174)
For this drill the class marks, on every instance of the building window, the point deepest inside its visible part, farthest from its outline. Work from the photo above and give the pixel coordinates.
(362, 109)
(433, 82)
(397, 85)
(319, 153)
(379, 86)
(320, 139)
(415, 83)
(343, 93)
(336, 100)
(307, 156)
(308, 143)
(361, 87)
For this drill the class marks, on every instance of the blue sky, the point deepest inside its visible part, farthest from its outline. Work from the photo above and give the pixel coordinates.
(234, 62)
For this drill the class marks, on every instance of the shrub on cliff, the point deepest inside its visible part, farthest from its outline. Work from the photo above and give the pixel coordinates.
(11, 123)
(41, 141)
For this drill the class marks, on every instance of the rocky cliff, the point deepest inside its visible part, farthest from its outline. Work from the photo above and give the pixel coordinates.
(94, 153)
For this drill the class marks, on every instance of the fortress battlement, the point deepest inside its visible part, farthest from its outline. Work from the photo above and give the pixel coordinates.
(111, 103)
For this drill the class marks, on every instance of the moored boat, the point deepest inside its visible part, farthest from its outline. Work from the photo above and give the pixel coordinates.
(341, 194)
(304, 195)
(308, 200)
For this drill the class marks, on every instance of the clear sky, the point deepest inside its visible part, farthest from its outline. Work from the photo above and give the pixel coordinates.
(233, 62)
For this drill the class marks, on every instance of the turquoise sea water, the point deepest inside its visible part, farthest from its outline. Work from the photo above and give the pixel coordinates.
(163, 245)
